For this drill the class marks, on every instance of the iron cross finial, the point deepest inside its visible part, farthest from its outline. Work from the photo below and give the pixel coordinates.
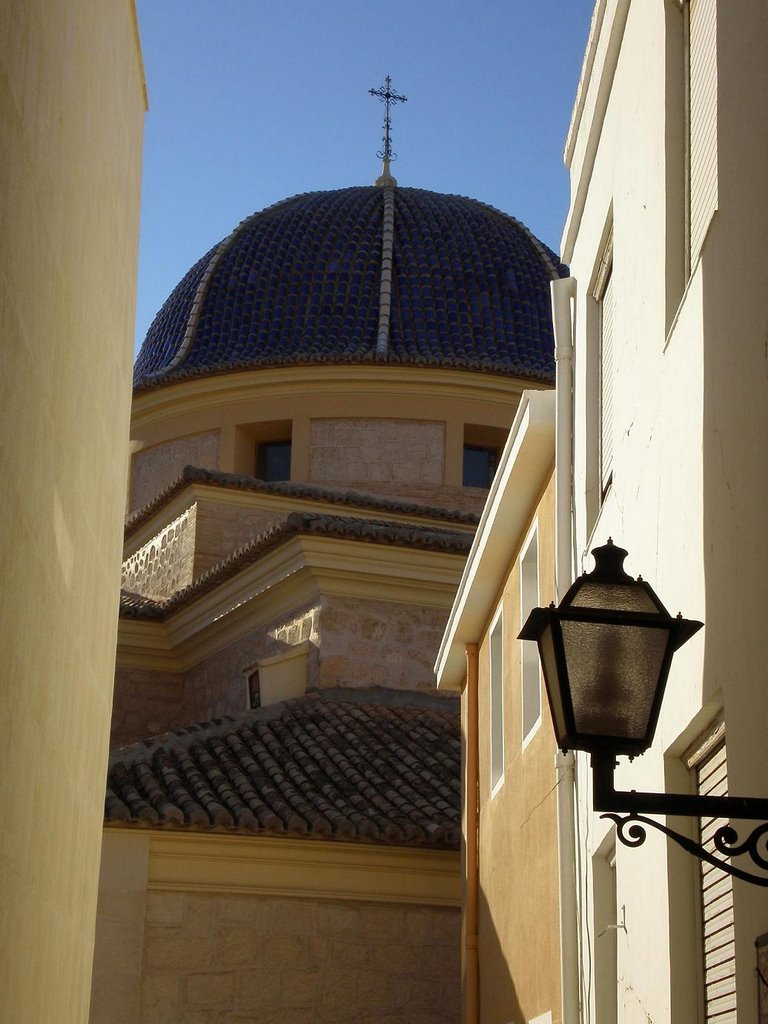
(388, 97)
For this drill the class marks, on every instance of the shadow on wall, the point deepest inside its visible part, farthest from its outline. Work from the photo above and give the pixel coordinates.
(735, 427)
(498, 997)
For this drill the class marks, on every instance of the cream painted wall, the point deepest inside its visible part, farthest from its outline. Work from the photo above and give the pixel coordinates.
(71, 106)
(689, 488)
(519, 949)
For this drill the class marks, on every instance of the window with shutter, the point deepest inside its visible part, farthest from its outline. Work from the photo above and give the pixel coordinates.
(707, 760)
(604, 295)
(496, 651)
(530, 675)
(702, 120)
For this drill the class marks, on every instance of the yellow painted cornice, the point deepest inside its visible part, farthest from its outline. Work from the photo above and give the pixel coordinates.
(219, 391)
(296, 572)
(142, 643)
(271, 866)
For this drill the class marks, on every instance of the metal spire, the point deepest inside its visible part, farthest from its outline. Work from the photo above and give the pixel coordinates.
(388, 97)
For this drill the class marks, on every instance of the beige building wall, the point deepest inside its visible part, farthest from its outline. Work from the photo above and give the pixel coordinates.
(511, 959)
(268, 931)
(518, 906)
(71, 106)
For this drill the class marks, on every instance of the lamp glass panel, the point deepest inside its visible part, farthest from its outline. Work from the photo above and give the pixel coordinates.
(630, 597)
(613, 671)
(551, 678)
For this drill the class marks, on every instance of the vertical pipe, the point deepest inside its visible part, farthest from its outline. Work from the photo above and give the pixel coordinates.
(471, 1013)
(563, 293)
(565, 767)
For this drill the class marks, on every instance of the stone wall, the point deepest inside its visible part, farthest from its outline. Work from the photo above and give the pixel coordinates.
(217, 959)
(223, 529)
(369, 452)
(154, 468)
(166, 563)
(379, 643)
(145, 703)
(353, 642)
(445, 496)
(218, 685)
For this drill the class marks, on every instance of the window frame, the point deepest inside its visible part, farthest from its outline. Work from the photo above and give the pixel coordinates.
(603, 294)
(496, 753)
(530, 665)
(262, 448)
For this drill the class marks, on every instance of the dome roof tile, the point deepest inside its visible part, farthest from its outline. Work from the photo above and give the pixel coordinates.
(299, 283)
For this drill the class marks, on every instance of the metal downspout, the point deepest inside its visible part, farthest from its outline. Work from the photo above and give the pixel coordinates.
(563, 294)
(471, 953)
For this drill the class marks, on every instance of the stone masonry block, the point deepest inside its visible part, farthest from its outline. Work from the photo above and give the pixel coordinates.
(210, 990)
(159, 997)
(259, 989)
(299, 988)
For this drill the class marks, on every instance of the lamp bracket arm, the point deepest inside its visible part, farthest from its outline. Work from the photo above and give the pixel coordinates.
(631, 831)
(608, 798)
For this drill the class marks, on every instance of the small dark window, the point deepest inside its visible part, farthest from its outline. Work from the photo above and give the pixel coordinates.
(254, 690)
(480, 464)
(273, 461)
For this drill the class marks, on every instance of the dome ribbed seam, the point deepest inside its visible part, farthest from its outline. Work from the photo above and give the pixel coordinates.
(385, 286)
(200, 294)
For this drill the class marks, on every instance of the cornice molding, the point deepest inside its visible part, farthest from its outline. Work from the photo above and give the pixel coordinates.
(289, 382)
(264, 865)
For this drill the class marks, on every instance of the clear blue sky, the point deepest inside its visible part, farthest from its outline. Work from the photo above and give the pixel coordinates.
(251, 101)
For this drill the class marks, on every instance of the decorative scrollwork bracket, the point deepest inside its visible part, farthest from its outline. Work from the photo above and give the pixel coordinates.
(629, 810)
(631, 831)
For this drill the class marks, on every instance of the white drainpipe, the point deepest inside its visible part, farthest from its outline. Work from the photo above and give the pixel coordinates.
(563, 294)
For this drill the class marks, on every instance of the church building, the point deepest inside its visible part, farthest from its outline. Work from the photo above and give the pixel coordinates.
(318, 412)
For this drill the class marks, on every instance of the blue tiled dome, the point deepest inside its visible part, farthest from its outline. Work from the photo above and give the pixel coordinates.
(301, 282)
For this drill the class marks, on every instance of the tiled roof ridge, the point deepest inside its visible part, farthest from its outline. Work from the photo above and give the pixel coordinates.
(235, 481)
(332, 770)
(375, 697)
(385, 272)
(373, 531)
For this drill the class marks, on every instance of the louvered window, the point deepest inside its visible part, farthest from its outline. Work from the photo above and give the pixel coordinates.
(603, 293)
(702, 107)
(710, 769)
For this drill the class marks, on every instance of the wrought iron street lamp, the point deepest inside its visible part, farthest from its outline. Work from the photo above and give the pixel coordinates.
(606, 651)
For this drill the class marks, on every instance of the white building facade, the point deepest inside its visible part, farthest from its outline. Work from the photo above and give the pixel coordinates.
(665, 238)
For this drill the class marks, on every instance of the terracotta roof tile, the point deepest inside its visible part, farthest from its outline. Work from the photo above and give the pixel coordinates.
(372, 766)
